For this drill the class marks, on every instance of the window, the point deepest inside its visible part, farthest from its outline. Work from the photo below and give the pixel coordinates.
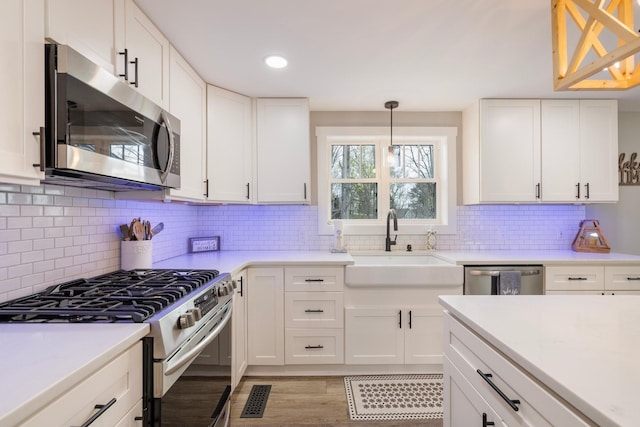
(359, 180)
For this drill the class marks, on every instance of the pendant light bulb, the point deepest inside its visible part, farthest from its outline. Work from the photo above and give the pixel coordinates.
(390, 105)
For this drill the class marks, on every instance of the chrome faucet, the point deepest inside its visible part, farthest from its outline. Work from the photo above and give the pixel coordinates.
(388, 242)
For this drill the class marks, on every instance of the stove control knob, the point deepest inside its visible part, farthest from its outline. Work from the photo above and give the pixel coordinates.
(230, 287)
(222, 291)
(186, 320)
(196, 312)
(234, 284)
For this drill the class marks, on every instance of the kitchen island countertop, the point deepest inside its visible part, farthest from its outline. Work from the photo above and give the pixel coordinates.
(40, 362)
(583, 348)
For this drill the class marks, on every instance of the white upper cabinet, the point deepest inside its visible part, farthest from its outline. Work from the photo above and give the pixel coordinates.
(188, 102)
(579, 150)
(22, 88)
(86, 26)
(147, 52)
(599, 150)
(230, 146)
(501, 151)
(549, 151)
(283, 163)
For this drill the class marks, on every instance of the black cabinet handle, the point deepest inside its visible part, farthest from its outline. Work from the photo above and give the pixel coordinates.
(314, 280)
(310, 347)
(135, 73)
(586, 196)
(633, 278)
(248, 191)
(578, 188)
(241, 281)
(308, 310)
(487, 378)
(305, 191)
(486, 423)
(101, 410)
(409, 319)
(576, 278)
(206, 184)
(125, 53)
(40, 134)
(537, 190)
(400, 320)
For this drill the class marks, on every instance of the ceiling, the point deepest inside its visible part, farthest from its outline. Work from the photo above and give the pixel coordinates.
(353, 55)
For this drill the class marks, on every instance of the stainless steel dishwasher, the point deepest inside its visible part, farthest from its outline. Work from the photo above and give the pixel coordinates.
(485, 279)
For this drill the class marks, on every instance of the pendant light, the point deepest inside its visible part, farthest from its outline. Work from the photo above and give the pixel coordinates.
(390, 105)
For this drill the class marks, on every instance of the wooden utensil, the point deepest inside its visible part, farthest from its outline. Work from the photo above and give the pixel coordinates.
(124, 230)
(138, 230)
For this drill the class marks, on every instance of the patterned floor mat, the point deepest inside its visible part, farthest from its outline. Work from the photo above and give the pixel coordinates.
(394, 397)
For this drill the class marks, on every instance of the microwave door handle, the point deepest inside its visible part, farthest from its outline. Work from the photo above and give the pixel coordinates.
(195, 351)
(172, 147)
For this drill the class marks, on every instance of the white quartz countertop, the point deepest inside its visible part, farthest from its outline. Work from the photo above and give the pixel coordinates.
(585, 348)
(543, 257)
(234, 261)
(39, 362)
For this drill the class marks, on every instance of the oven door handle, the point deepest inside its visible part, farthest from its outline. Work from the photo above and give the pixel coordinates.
(195, 351)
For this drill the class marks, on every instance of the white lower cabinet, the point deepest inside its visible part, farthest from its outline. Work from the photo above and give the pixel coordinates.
(295, 315)
(239, 327)
(265, 316)
(393, 336)
(479, 380)
(115, 390)
(592, 280)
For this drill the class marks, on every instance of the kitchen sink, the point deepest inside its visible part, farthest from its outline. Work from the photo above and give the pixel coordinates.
(402, 269)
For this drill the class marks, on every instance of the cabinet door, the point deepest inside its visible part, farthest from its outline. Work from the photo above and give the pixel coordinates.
(229, 143)
(423, 336)
(599, 150)
(574, 278)
(283, 171)
(86, 26)
(464, 406)
(146, 44)
(560, 140)
(239, 327)
(188, 102)
(622, 278)
(265, 314)
(509, 150)
(22, 88)
(374, 336)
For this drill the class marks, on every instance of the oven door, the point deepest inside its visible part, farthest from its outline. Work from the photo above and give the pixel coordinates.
(166, 372)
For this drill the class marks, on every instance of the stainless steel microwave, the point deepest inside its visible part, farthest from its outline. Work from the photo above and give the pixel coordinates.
(101, 133)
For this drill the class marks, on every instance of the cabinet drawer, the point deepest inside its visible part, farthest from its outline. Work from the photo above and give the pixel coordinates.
(313, 279)
(574, 278)
(120, 379)
(311, 346)
(536, 407)
(313, 310)
(622, 278)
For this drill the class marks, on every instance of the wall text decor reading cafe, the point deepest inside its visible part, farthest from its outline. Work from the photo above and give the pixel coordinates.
(629, 171)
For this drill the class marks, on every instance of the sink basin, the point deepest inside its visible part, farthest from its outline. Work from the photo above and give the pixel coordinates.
(402, 269)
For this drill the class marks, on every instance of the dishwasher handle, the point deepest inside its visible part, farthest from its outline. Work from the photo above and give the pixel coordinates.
(496, 273)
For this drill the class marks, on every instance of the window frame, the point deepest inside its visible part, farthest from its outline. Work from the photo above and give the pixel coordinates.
(445, 151)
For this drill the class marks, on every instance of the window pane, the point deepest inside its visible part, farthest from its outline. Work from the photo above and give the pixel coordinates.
(414, 201)
(412, 161)
(354, 201)
(353, 161)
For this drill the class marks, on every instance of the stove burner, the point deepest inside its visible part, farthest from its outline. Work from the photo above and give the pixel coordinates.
(121, 296)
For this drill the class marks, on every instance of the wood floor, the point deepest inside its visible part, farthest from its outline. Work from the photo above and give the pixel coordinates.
(292, 402)
(305, 401)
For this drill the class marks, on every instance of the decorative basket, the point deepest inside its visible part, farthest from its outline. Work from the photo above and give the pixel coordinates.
(590, 238)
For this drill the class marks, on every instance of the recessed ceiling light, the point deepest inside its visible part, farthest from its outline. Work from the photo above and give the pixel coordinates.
(276, 61)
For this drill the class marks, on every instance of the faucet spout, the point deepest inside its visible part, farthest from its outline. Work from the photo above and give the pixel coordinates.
(388, 242)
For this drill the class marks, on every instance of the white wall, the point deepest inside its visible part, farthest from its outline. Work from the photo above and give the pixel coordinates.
(620, 222)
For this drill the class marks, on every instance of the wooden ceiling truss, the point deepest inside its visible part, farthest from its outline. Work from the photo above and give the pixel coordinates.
(593, 19)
